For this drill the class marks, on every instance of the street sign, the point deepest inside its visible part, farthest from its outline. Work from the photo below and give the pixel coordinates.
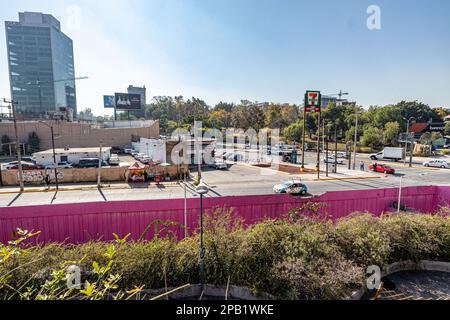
(313, 101)
(403, 137)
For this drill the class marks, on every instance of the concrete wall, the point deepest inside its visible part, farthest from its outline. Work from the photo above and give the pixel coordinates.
(82, 222)
(109, 174)
(78, 135)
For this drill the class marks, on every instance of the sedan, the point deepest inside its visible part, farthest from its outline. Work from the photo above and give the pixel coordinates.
(219, 165)
(332, 161)
(60, 165)
(291, 187)
(436, 164)
(382, 168)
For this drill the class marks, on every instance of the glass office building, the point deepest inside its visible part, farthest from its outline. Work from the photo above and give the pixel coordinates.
(40, 59)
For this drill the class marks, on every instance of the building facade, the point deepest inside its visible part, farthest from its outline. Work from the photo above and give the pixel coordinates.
(40, 55)
(78, 135)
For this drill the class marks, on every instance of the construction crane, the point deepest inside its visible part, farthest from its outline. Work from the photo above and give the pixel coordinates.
(39, 83)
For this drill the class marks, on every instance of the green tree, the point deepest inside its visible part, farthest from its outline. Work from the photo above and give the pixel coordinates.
(5, 147)
(373, 137)
(447, 129)
(391, 133)
(294, 132)
(274, 119)
(33, 142)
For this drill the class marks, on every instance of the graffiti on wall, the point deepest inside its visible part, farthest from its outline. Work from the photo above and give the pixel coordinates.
(38, 177)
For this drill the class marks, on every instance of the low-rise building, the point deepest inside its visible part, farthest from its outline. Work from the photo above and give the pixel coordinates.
(81, 135)
(73, 155)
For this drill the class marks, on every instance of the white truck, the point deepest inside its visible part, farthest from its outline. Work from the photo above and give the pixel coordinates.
(389, 153)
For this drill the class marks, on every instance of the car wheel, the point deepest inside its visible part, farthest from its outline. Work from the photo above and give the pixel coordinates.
(303, 193)
(373, 158)
(427, 165)
(443, 167)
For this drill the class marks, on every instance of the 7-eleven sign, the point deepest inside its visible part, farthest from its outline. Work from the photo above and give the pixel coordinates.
(313, 101)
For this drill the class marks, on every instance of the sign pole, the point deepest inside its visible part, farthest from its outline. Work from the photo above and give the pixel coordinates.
(303, 136)
(318, 144)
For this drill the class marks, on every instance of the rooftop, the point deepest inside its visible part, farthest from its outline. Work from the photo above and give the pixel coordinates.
(73, 150)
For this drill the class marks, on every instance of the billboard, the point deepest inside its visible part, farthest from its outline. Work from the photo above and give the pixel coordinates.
(109, 102)
(128, 101)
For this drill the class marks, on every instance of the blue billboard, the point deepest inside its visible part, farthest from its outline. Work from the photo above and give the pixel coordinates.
(109, 102)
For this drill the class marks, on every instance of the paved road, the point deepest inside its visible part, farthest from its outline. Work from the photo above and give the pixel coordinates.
(238, 180)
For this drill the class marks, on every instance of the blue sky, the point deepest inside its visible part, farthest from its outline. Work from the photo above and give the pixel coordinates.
(228, 50)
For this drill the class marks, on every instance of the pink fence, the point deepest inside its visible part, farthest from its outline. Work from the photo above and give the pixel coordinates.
(82, 222)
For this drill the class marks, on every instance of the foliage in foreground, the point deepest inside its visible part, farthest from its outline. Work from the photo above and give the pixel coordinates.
(293, 259)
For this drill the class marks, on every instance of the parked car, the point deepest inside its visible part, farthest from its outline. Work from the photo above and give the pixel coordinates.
(292, 187)
(14, 165)
(25, 166)
(140, 156)
(146, 159)
(342, 155)
(219, 165)
(128, 150)
(382, 168)
(90, 163)
(29, 159)
(331, 160)
(60, 165)
(235, 157)
(436, 164)
(114, 160)
(134, 153)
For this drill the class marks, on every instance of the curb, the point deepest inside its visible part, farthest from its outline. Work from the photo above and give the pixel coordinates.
(75, 189)
(351, 178)
(387, 270)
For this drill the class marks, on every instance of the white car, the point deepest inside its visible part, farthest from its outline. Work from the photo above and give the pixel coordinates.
(219, 165)
(114, 160)
(60, 165)
(436, 164)
(146, 159)
(140, 156)
(342, 155)
(332, 160)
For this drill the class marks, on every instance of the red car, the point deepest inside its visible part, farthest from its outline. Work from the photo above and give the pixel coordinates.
(382, 168)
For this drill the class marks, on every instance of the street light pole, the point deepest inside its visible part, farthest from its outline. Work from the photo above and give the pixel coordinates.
(18, 151)
(202, 189)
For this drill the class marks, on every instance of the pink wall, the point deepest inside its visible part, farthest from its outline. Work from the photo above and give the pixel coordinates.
(81, 222)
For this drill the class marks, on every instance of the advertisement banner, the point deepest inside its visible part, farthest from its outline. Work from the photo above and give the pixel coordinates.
(109, 102)
(126, 101)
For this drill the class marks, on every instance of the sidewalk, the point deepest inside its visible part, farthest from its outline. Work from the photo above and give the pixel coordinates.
(82, 187)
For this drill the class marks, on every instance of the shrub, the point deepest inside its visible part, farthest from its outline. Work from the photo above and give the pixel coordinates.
(363, 239)
(333, 277)
(299, 259)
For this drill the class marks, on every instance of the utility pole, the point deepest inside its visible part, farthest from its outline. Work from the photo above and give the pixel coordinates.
(356, 142)
(54, 154)
(407, 140)
(100, 160)
(326, 151)
(335, 148)
(185, 207)
(19, 156)
(411, 154)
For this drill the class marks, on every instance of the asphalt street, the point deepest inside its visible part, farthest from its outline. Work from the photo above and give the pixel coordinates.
(239, 179)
